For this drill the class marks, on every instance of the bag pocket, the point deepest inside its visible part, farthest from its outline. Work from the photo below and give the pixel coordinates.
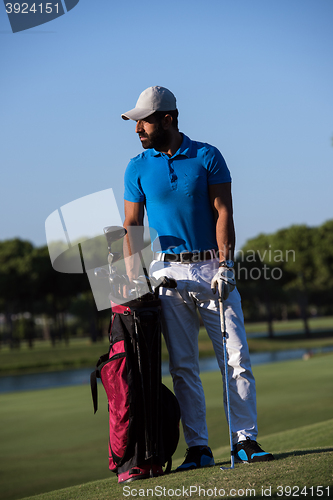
(115, 382)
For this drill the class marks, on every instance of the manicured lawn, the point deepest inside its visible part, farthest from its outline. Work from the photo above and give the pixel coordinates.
(51, 439)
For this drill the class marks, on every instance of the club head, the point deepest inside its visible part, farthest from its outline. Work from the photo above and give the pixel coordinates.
(232, 464)
(116, 279)
(140, 282)
(100, 272)
(232, 457)
(141, 286)
(227, 468)
(114, 233)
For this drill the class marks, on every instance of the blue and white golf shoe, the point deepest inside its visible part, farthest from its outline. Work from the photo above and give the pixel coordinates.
(249, 451)
(197, 457)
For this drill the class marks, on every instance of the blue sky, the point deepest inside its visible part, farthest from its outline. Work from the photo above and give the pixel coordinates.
(252, 77)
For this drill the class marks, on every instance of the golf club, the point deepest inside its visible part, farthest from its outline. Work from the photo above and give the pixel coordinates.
(226, 378)
(100, 272)
(114, 233)
(163, 282)
(113, 257)
(140, 286)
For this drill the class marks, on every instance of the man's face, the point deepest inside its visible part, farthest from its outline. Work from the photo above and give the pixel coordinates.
(152, 133)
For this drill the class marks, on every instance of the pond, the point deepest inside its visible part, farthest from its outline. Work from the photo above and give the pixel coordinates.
(82, 376)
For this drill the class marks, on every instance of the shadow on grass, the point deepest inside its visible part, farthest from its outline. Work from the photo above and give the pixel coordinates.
(299, 453)
(281, 456)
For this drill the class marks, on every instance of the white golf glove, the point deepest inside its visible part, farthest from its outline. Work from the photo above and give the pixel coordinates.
(223, 281)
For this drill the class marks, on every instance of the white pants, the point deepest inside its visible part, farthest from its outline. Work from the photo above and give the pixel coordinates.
(181, 329)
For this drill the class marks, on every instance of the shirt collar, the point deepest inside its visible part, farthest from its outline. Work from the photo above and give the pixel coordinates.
(184, 149)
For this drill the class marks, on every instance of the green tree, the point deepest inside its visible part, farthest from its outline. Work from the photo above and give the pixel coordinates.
(59, 291)
(304, 255)
(260, 279)
(15, 282)
(322, 287)
(298, 241)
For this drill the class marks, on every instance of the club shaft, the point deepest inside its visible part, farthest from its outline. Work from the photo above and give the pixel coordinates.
(226, 378)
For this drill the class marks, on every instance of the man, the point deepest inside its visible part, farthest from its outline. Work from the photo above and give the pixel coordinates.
(185, 187)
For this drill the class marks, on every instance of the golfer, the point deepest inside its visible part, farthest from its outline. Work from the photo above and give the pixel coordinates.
(185, 187)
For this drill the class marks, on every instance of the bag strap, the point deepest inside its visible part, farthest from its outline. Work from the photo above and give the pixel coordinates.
(93, 385)
(93, 379)
(168, 466)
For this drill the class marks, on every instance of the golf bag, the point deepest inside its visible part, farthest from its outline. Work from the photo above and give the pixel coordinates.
(144, 414)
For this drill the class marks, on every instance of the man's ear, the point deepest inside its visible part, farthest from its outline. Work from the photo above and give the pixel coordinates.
(167, 121)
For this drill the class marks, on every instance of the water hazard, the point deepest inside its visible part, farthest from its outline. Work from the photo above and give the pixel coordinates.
(82, 376)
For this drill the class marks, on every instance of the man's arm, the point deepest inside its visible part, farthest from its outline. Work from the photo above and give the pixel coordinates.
(221, 201)
(133, 242)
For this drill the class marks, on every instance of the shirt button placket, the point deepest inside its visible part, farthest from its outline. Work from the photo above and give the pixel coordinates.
(172, 175)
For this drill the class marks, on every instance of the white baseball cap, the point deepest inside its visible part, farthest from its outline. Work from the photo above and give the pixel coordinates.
(151, 100)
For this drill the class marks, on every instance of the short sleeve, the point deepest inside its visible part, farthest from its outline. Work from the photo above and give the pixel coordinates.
(218, 172)
(133, 191)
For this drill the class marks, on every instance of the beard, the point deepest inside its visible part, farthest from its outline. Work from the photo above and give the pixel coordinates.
(159, 139)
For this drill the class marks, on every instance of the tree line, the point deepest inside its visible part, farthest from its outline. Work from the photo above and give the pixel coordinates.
(286, 274)
(38, 302)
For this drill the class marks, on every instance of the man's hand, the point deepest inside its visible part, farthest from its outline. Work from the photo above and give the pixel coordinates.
(224, 281)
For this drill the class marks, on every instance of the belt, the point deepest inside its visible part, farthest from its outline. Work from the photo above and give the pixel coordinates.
(186, 257)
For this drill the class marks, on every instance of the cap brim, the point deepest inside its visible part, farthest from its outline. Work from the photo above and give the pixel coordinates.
(137, 114)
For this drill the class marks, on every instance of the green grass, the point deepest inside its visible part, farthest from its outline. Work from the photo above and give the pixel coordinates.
(82, 353)
(302, 470)
(50, 439)
(294, 325)
(43, 357)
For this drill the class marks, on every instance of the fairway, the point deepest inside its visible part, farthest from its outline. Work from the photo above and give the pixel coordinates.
(50, 439)
(299, 474)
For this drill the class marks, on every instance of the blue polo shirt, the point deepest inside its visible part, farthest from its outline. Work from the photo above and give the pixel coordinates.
(175, 193)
